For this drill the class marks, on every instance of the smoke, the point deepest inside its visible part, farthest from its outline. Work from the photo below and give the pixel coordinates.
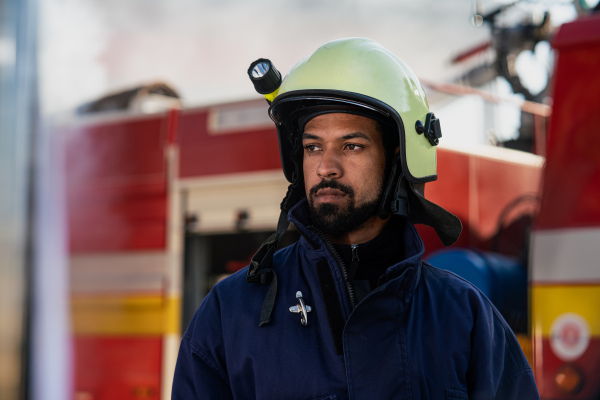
(72, 36)
(203, 47)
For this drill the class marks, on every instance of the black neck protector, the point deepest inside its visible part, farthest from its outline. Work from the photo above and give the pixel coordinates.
(369, 261)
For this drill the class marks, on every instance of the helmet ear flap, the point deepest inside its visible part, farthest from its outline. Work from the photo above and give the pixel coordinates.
(296, 191)
(399, 195)
(447, 226)
(394, 198)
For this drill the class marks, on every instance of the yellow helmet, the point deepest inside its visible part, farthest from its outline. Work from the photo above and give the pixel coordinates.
(358, 75)
(362, 73)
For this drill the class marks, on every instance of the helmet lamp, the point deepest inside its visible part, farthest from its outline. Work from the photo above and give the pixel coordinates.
(265, 77)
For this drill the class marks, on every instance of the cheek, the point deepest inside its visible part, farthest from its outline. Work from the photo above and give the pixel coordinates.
(371, 179)
(369, 170)
(308, 163)
(380, 165)
(309, 180)
(309, 169)
(305, 166)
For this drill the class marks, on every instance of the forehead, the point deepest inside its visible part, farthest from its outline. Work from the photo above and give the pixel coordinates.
(342, 124)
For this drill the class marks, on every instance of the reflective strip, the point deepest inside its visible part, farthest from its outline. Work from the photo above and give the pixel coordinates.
(239, 117)
(144, 272)
(566, 255)
(124, 316)
(550, 302)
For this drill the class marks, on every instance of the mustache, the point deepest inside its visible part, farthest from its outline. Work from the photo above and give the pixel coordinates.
(331, 184)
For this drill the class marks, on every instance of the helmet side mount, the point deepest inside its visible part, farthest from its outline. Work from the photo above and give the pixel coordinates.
(432, 129)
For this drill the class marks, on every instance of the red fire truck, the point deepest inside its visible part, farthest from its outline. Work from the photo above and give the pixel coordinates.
(162, 205)
(565, 279)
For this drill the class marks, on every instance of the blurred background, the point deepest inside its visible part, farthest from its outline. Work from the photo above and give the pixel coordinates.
(138, 166)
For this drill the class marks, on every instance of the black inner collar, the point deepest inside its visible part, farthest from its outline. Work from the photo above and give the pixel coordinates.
(374, 257)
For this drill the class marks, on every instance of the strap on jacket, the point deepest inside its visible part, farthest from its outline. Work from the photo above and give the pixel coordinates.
(261, 271)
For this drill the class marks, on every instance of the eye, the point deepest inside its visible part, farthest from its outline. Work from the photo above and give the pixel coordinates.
(353, 146)
(311, 148)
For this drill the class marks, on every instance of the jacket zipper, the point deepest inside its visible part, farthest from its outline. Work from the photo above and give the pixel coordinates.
(340, 262)
(355, 260)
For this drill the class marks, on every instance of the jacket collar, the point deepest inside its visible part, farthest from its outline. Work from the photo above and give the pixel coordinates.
(409, 268)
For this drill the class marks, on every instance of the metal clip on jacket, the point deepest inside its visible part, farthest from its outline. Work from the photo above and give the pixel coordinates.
(301, 309)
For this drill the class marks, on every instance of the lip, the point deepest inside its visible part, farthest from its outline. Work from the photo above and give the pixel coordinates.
(329, 195)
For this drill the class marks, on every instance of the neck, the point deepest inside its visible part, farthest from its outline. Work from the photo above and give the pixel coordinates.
(363, 234)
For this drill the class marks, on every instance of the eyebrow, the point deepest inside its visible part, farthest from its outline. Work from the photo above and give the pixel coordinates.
(353, 135)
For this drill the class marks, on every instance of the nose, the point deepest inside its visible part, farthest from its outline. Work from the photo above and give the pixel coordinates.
(330, 165)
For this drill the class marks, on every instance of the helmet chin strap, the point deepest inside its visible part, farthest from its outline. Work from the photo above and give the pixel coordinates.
(261, 271)
(261, 266)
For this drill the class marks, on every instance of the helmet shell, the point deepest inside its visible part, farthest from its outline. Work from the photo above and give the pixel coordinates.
(363, 73)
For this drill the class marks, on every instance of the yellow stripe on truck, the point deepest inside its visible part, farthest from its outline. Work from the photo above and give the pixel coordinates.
(125, 315)
(551, 301)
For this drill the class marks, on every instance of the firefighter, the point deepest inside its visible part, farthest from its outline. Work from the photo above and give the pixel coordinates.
(351, 310)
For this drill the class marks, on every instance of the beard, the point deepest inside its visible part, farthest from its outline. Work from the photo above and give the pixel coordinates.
(338, 219)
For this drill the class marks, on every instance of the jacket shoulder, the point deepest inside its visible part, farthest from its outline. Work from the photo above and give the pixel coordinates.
(451, 283)
(498, 368)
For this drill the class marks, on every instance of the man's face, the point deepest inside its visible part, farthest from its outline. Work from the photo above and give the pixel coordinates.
(343, 164)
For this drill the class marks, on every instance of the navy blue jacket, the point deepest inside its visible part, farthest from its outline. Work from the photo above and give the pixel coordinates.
(424, 333)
